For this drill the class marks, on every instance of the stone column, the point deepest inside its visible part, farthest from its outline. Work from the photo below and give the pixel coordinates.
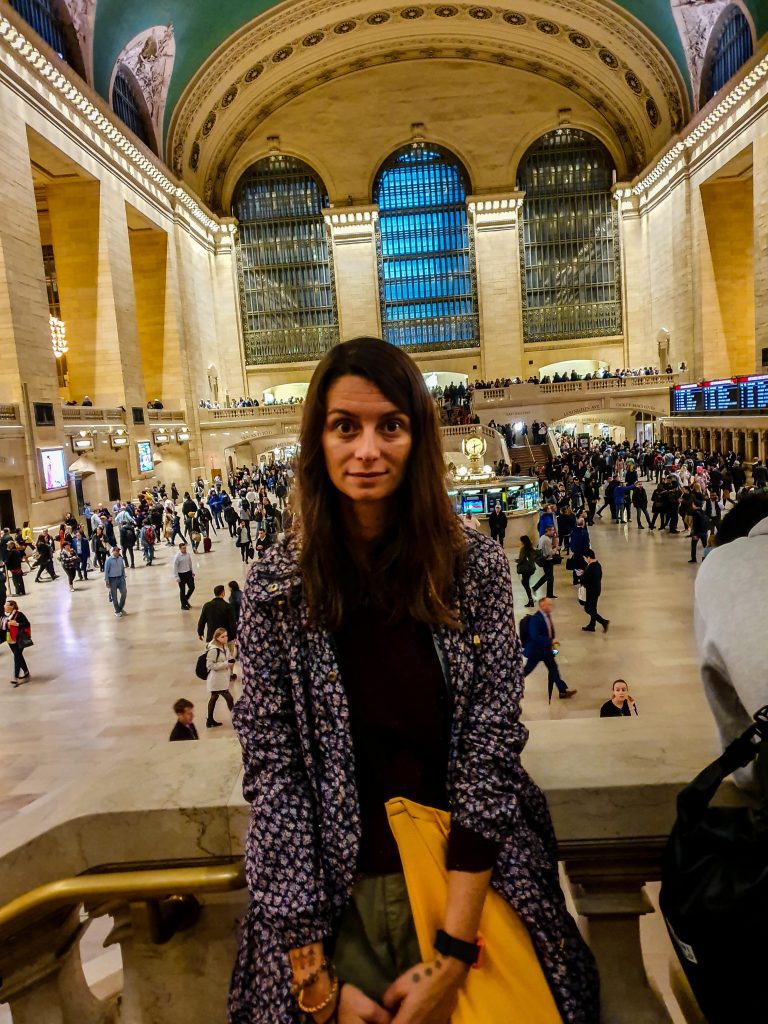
(28, 365)
(609, 892)
(639, 340)
(760, 243)
(352, 231)
(494, 219)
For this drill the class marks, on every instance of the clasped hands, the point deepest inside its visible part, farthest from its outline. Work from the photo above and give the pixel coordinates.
(424, 994)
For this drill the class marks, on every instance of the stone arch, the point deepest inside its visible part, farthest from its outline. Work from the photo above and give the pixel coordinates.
(713, 39)
(147, 60)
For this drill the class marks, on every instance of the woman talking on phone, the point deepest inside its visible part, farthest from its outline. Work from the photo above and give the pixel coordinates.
(380, 661)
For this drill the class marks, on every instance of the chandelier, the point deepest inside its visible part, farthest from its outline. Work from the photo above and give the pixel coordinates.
(58, 336)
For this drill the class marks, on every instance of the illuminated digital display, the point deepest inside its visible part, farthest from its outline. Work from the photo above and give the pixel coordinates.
(54, 469)
(731, 395)
(146, 462)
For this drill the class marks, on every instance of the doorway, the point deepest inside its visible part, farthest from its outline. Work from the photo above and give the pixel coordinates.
(113, 485)
(6, 510)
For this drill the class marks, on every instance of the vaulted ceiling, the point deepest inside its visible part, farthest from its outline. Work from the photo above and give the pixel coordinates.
(236, 63)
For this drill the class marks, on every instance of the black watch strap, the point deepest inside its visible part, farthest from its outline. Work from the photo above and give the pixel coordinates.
(467, 952)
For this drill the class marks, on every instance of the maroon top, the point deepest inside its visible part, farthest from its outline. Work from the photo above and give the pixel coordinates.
(400, 719)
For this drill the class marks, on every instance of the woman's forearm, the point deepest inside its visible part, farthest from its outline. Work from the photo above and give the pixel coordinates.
(466, 897)
(311, 981)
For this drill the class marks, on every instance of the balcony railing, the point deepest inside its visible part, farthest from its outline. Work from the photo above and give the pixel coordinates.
(289, 344)
(166, 416)
(249, 414)
(76, 414)
(531, 394)
(10, 415)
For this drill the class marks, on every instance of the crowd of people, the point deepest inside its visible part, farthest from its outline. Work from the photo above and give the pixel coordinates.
(564, 378)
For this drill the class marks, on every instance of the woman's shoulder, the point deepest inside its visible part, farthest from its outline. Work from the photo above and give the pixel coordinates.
(483, 557)
(276, 571)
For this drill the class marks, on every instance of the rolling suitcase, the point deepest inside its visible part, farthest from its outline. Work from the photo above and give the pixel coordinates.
(207, 545)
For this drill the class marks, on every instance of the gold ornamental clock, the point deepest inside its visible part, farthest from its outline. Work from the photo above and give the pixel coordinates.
(474, 448)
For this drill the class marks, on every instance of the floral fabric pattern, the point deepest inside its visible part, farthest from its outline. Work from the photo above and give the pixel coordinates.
(301, 849)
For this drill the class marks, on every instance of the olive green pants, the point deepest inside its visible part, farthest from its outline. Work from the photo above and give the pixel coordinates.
(376, 941)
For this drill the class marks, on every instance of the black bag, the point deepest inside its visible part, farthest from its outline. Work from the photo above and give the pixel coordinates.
(24, 639)
(524, 629)
(569, 563)
(201, 666)
(714, 894)
(557, 559)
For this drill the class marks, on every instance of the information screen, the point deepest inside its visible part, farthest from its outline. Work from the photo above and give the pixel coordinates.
(753, 393)
(473, 503)
(687, 398)
(721, 395)
(54, 468)
(146, 462)
(731, 395)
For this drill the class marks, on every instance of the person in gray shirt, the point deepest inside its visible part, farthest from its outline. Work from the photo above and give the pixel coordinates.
(114, 576)
(184, 575)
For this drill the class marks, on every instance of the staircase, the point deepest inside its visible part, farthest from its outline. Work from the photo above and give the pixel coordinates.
(522, 454)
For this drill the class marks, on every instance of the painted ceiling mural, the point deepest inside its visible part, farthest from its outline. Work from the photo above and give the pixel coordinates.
(150, 57)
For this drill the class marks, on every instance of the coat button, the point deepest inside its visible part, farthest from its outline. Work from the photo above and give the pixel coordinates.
(272, 588)
(332, 677)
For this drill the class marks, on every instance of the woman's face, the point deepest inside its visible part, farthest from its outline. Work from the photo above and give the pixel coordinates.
(620, 691)
(366, 440)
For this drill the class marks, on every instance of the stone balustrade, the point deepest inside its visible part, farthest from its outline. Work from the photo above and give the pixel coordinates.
(10, 415)
(165, 416)
(537, 394)
(76, 415)
(237, 414)
(611, 786)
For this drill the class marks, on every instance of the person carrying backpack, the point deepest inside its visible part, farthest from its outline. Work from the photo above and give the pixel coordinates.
(128, 542)
(212, 669)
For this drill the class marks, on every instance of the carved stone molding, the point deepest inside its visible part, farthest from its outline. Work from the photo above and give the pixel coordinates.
(150, 56)
(600, 53)
(695, 21)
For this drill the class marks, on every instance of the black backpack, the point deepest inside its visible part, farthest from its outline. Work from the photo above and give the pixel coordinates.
(714, 893)
(201, 666)
(524, 629)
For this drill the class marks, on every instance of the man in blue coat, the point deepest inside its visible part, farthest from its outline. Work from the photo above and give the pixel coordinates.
(538, 647)
(82, 549)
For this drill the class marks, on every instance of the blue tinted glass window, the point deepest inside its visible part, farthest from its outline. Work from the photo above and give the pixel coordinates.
(569, 239)
(732, 50)
(427, 273)
(287, 291)
(126, 106)
(41, 16)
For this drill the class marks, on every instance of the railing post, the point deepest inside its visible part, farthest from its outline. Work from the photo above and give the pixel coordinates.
(609, 891)
(183, 980)
(42, 976)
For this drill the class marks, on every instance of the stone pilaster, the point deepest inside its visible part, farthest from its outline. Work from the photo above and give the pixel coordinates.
(352, 232)
(760, 244)
(640, 347)
(494, 220)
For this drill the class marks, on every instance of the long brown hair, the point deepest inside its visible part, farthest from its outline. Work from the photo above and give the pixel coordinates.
(415, 566)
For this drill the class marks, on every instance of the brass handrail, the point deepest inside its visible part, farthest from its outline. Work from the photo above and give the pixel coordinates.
(128, 885)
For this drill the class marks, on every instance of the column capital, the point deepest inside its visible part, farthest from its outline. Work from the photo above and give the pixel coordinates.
(351, 223)
(627, 202)
(497, 209)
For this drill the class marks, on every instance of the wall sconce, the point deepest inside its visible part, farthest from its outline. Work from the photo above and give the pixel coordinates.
(182, 435)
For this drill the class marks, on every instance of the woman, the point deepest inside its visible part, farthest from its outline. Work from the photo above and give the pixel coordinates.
(100, 548)
(217, 663)
(243, 540)
(621, 704)
(70, 562)
(44, 548)
(526, 567)
(380, 659)
(235, 599)
(18, 633)
(13, 559)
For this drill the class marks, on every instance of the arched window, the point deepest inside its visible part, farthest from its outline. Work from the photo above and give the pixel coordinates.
(127, 106)
(730, 48)
(287, 293)
(427, 271)
(42, 16)
(569, 239)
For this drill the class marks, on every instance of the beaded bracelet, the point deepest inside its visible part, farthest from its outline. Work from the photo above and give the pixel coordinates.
(312, 1010)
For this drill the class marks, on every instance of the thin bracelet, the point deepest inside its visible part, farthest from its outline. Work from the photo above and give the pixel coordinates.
(311, 1010)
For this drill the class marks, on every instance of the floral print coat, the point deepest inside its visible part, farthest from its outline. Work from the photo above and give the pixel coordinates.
(302, 844)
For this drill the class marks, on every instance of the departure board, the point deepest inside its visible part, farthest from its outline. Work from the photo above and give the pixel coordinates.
(732, 395)
(687, 398)
(721, 395)
(753, 393)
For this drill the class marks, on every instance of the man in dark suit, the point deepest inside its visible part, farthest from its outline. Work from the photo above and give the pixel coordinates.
(497, 522)
(82, 549)
(538, 648)
(592, 580)
(185, 727)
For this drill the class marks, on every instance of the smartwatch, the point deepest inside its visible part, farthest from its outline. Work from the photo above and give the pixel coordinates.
(467, 952)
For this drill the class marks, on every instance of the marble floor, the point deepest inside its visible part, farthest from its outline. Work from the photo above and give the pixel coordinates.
(97, 679)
